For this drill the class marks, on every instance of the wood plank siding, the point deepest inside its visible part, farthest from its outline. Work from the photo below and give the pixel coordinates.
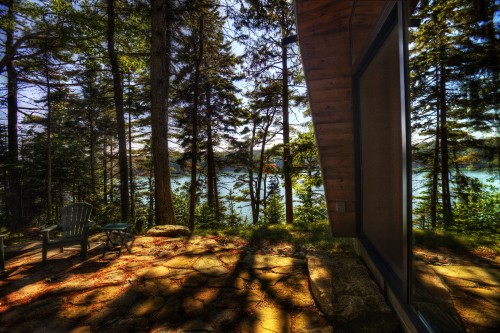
(333, 35)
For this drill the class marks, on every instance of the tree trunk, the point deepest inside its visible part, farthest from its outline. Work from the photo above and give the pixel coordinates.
(49, 140)
(120, 121)
(151, 200)
(105, 170)
(260, 172)
(160, 84)
(194, 126)
(491, 33)
(111, 167)
(253, 199)
(286, 139)
(445, 179)
(255, 195)
(92, 148)
(14, 190)
(131, 169)
(211, 170)
(435, 165)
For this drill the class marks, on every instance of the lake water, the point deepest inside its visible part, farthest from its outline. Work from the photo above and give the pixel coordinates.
(487, 178)
(228, 180)
(226, 183)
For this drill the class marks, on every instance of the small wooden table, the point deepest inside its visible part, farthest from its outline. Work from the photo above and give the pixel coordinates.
(122, 230)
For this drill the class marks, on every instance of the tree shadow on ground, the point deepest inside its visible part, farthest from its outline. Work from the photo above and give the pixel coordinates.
(204, 284)
(455, 288)
(30, 290)
(211, 300)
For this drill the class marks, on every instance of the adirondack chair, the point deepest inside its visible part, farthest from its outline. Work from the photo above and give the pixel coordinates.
(75, 224)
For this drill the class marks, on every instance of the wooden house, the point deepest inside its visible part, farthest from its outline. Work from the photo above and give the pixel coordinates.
(355, 59)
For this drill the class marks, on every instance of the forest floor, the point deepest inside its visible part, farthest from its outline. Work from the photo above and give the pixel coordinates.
(220, 283)
(194, 284)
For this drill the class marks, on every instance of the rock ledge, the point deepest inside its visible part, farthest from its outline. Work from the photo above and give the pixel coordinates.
(168, 231)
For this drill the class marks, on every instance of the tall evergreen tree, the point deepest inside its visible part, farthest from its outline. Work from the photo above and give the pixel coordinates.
(161, 29)
(268, 24)
(451, 78)
(119, 109)
(207, 107)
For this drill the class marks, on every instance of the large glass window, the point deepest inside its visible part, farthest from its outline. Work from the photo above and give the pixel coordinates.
(453, 59)
(380, 134)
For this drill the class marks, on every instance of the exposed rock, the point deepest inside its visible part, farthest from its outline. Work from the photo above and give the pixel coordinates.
(291, 295)
(192, 306)
(75, 312)
(132, 324)
(196, 325)
(311, 322)
(268, 276)
(104, 294)
(321, 283)
(168, 231)
(224, 320)
(357, 302)
(152, 272)
(181, 261)
(209, 265)
(196, 284)
(148, 306)
(113, 277)
(170, 309)
(285, 264)
(229, 259)
(433, 300)
(82, 329)
(272, 319)
(193, 281)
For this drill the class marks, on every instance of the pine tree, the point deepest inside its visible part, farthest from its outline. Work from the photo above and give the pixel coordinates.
(307, 178)
(268, 24)
(449, 56)
(161, 28)
(207, 109)
(119, 110)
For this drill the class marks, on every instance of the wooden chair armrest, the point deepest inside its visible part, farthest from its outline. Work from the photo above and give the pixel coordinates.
(49, 229)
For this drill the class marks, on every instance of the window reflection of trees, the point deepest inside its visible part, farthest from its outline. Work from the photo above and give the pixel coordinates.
(456, 215)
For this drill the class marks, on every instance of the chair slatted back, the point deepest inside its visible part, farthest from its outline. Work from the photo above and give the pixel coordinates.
(74, 218)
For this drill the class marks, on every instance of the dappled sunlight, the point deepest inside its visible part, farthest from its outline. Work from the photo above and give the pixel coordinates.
(211, 283)
(468, 275)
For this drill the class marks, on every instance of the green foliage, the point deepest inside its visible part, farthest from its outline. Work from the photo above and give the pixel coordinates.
(307, 175)
(273, 210)
(478, 211)
(206, 217)
(312, 209)
(231, 216)
(181, 204)
(73, 113)
(476, 208)
(313, 237)
(107, 213)
(453, 65)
